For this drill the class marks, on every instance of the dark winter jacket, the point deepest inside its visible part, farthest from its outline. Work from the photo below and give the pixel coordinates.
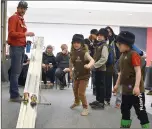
(91, 46)
(62, 60)
(113, 39)
(46, 59)
(116, 67)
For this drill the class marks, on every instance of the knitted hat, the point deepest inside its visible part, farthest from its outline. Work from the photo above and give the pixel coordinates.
(94, 31)
(78, 38)
(126, 37)
(103, 32)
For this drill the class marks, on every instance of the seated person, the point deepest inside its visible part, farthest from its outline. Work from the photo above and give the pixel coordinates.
(23, 74)
(62, 60)
(48, 66)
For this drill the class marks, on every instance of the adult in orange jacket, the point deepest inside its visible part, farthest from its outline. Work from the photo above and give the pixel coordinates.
(17, 33)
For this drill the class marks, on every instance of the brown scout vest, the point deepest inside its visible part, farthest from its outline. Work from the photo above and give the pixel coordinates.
(97, 56)
(128, 76)
(78, 60)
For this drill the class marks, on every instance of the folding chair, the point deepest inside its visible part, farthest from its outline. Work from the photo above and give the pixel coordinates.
(66, 79)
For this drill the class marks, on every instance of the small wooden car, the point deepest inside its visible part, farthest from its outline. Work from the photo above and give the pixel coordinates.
(26, 98)
(33, 100)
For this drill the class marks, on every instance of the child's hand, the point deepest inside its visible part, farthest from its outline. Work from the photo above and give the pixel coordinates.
(115, 89)
(87, 66)
(136, 91)
(66, 70)
(43, 65)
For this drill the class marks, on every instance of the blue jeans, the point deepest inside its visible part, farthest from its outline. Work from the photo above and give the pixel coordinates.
(17, 58)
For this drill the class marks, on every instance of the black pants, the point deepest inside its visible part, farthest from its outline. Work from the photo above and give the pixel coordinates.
(48, 75)
(108, 86)
(138, 102)
(115, 76)
(100, 85)
(93, 82)
(60, 74)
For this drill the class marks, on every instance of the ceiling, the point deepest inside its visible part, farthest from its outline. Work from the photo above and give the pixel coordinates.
(90, 13)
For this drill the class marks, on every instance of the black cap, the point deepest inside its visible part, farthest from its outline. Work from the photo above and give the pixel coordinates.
(78, 38)
(22, 4)
(94, 31)
(126, 37)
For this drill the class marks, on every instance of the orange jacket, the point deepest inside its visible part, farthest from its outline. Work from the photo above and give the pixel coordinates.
(16, 31)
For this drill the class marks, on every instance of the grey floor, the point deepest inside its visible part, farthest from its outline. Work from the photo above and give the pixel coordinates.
(59, 115)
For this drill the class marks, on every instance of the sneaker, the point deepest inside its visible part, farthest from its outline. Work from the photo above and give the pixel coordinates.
(149, 93)
(99, 106)
(74, 105)
(107, 103)
(61, 88)
(85, 112)
(18, 99)
(94, 103)
(146, 126)
(117, 106)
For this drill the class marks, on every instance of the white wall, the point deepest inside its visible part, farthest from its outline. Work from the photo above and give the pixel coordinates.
(57, 34)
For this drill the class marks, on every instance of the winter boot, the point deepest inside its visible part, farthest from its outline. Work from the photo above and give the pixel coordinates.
(125, 123)
(146, 126)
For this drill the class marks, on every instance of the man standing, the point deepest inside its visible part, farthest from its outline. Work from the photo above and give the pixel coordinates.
(17, 33)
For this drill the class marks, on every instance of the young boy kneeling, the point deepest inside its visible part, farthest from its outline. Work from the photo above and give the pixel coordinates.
(131, 81)
(82, 62)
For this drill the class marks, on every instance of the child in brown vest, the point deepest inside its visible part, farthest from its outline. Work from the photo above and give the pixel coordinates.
(131, 81)
(100, 57)
(81, 61)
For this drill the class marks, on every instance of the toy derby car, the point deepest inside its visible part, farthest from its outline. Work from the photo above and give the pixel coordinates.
(33, 100)
(26, 98)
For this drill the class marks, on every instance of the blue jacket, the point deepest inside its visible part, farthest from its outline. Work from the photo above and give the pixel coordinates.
(140, 52)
